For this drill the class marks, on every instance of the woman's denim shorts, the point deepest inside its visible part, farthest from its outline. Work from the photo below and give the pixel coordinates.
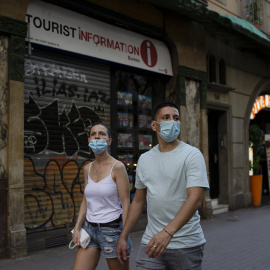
(105, 238)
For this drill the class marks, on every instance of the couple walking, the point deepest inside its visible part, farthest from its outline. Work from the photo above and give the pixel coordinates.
(171, 178)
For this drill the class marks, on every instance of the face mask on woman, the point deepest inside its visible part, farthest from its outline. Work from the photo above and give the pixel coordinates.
(169, 130)
(98, 146)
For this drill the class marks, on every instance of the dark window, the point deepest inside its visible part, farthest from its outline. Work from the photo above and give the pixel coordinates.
(222, 72)
(212, 69)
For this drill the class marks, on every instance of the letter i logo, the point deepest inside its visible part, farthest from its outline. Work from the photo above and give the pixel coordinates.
(148, 53)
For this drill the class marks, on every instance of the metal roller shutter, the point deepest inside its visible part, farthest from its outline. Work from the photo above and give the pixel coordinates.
(63, 97)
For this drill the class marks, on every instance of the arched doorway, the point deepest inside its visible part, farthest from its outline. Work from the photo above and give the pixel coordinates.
(262, 119)
(219, 164)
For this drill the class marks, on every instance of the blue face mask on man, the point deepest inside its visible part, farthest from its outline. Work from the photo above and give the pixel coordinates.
(169, 130)
(98, 146)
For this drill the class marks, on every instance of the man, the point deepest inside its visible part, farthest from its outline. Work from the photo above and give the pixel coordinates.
(172, 177)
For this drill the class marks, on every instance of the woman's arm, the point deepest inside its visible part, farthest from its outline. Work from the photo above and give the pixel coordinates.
(122, 182)
(82, 212)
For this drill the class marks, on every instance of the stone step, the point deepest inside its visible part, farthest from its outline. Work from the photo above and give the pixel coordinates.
(219, 208)
(214, 202)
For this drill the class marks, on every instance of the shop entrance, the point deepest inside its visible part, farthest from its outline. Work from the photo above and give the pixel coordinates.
(213, 153)
(63, 97)
(218, 155)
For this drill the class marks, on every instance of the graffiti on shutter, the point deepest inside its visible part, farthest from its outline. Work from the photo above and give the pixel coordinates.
(63, 98)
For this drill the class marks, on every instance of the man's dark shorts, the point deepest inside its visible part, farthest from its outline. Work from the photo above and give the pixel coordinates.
(173, 259)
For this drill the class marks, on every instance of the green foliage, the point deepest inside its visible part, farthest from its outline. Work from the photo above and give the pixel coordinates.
(256, 143)
(253, 12)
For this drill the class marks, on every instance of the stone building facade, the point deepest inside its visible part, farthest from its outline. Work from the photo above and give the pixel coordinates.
(211, 64)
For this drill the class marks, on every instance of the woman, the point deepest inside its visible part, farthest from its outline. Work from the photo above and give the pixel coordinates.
(106, 189)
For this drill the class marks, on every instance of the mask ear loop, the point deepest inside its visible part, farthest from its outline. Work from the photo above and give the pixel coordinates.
(157, 131)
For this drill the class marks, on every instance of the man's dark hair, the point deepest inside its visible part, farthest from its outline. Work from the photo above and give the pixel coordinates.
(101, 123)
(162, 105)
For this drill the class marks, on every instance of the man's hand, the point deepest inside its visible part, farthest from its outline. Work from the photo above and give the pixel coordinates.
(158, 244)
(122, 250)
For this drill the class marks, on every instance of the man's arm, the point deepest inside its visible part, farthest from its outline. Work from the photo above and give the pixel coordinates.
(134, 214)
(160, 241)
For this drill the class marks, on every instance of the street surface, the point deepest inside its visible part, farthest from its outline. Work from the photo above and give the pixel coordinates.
(238, 240)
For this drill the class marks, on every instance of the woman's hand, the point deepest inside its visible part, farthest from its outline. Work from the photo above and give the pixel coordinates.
(76, 237)
(122, 250)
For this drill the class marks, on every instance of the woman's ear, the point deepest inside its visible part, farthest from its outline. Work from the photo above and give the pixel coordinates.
(109, 141)
(88, 140)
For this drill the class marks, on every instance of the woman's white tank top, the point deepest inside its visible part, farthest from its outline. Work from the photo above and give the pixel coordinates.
(103, 202)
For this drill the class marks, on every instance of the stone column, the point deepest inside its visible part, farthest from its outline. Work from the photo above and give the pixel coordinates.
(17, 233)
(12, 157)
(192, 98)
(3, 142)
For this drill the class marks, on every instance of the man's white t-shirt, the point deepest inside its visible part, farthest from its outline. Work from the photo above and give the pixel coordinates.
(166, 176)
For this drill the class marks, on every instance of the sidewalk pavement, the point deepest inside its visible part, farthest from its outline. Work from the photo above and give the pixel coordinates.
(235, 241)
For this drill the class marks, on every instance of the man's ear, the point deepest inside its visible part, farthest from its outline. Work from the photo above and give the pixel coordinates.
(153, 125)
(88, 140)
